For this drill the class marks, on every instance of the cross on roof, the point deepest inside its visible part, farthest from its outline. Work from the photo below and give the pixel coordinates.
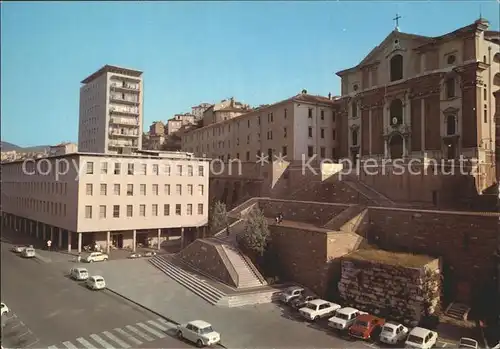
(397, 18)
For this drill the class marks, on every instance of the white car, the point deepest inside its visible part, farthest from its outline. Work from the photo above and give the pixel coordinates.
(199, 332)
(468, 343)
(96, 257)
(290, 294)
(344, 318)
(393, 333)
(4, 309)
(79, 274)
(18, 249)
(318, 308)
(28, 252)
(421, 338)
(96, 282)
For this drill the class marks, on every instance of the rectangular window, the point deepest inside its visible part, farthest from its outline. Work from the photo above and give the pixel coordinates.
(284, 132)
(200, 207)
(130, 189)
(322, 152)
(285, 113)
(310, 151)
(166, 189)
(154, 210)
(450, 88)
(168, 170)
(283, 151)
(102, 211)
(248, 156)
(310, 113)
(333, 116)
(201, 189)
(90, 167)
(116, 211)
(485, 116)
(104, 168)
(144, 169)
(334, 153)
(118, 168)
(178, 210)
(89, 189)
(142, 189)
(310, 132)
(190, 189)
(104, 189)
(116, 189)
(322, 133)
(88, 211)
(130, 169)
(190, 171)
(155, 169)
(178, 189)
(142, 210)
(189, 209)
(322, 114)
(179, 170)
(166, 210)
(200, 171)
(155, 189)
(334, 134)
(130, 210)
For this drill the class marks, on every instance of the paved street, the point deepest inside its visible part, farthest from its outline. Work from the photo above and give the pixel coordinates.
(49, 309)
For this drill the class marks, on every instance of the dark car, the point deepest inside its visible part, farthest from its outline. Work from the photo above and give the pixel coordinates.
(302, 300)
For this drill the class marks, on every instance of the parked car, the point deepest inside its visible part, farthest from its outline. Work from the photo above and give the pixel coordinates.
(18, 249)
(199, 332)
(290, 294)
(96, 282)
(4, 309)
(468, 343)
(318, 308)
(302, 300)
(28, 252)
(421, 338)
(393, 333)
(96, 257)
(344, 318)
(79, 274)
(365, 326)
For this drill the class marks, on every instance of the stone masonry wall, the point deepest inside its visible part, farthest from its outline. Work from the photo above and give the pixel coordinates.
(204, 256)
(392, 291)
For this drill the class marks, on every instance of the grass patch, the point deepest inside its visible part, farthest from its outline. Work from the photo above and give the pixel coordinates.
(408, 260)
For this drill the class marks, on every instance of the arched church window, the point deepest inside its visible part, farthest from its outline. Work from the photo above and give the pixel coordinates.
(354, 109)
(396, 112)
(451, 125)
(396, 68)
(354, 137)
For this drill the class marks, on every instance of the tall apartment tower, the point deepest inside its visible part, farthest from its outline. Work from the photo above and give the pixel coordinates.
(111, 111)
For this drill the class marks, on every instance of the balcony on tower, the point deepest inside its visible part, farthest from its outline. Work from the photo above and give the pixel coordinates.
(124, 98)
(120, 86)
(124, 132)
(122, 110)
(124, 121)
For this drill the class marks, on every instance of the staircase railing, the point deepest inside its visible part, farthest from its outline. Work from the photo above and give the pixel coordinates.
(227, 262)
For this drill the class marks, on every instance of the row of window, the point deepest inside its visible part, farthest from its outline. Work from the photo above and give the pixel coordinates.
(42, 206)
(271, 153)
(143, 169)
(155, 189)
(142, 210)
(39, 187)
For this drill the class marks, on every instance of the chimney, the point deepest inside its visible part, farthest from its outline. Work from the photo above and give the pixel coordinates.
(329, 95)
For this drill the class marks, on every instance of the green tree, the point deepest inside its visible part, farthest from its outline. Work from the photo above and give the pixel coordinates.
(256, 234)
(218, 218)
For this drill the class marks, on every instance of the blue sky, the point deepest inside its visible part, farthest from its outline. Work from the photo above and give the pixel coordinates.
(192, 52)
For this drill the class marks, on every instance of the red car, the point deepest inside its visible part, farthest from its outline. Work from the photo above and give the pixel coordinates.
(365, 326)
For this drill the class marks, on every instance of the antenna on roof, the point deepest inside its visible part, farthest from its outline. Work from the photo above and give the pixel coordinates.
(480, 11)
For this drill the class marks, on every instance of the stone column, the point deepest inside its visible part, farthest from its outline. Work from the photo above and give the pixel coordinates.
(37, 230)
(182, 237)
(44, 232)
(69, 241)
(108, 241)
(59, 239)
(79, 242)
(386, 149)
(422, 124)
(404, 147)
(159, 239)
(52, 234)
(134, 237)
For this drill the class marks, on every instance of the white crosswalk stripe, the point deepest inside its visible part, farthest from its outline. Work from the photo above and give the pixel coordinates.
(139, 333)
(117, 340)
(128, 336)
(69, 345)
(52, 347)
(150, 330)
(85, 343)
(157, 325)
(101, 341)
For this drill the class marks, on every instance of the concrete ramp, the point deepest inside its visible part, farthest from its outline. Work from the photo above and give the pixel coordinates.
(349, 220)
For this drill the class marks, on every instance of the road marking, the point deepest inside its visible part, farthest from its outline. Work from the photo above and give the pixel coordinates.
(166, 323)
(150, 330)
(130, 337)
(85, 343)
(24, 334)
(54, 347)
(139, 333)
(101, 341)
(69, 345)
(117, 340)
(163, 328)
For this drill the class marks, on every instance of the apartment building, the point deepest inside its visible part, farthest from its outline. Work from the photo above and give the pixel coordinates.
(157, 128)
(111, 111)
(303, 125)
(178, 121)
(199, 109)
(63, 148)
(115, 200)
(225, 110)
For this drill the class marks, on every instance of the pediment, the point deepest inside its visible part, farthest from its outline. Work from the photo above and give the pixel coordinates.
(450, 110)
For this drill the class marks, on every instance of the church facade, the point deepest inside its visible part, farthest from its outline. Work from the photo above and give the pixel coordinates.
(419, 97)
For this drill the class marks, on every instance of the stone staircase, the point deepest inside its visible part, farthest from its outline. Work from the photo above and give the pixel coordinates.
(368, 192)
(248, 276)
(340, 221)
(457, 311)
(190, 281)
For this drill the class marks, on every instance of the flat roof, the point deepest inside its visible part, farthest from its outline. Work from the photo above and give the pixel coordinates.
(153, 155)
(393, 258)
(112, 69)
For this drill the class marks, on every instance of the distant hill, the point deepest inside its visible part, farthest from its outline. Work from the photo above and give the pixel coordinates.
(6, 146)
